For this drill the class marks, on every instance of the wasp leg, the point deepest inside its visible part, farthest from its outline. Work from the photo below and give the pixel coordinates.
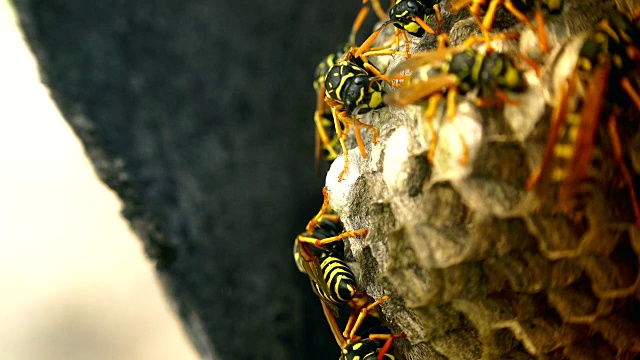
(489, 17)
(443, 41)
(342, 135)
(474, 10)
(350, 333)
(389, 338)
(451, 103)
(504, 98)
(325, 241)
(558, 120)
(356, 130)
(432, 106)
(542, 32)
(451, 113)
(424, 25)
(323, 209)
(358, 23)
(376, 134)
(377, 8)
(389, 79)
(407, 43)
(367, 43)
(629, 89)
(436, 8)
(324, 137)
(618, 156)
(529, 62)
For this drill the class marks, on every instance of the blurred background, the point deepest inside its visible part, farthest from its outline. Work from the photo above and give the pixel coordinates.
(74, 282)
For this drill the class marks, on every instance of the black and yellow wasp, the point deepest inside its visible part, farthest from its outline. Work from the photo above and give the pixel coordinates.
(599, 88)
(517, 8)
(319, 253)
(326, 139)
(409, 17)
(347, 85)
(453, 71)
(353, 86)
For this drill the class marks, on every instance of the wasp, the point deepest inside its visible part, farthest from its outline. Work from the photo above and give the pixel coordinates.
(352, 89)
(348, 85)
(409, 17)
(594, 91)
(319, 253)
(325, 141)
(517, 8)
(452, 71)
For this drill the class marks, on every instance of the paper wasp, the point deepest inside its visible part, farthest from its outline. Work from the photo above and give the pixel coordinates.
(453, 71)
(598, 88)
(319, 253)
(409, 17)
(348, 85)
(517, 8)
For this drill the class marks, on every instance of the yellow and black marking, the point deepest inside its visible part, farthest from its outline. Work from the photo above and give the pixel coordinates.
(597, 89)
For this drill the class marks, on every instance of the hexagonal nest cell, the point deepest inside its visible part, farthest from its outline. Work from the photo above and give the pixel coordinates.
(477, 265)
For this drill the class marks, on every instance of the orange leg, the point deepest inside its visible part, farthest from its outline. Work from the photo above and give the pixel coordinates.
(367, 43)
(320, 130)
(339, 116)
(389, 338)
(542, 32)
(500, 94)
(436, 8)
(633, 94)
(356, 130)
(451, 103)
(376, 134)
(443, 41)
(618, 156)
(424, 25)
(325, 241)
(432, 107)
(558, 120)
(451, 113)
(350, 333)
(529, 62)
(323, 209)
(377, 8)
(357, 24)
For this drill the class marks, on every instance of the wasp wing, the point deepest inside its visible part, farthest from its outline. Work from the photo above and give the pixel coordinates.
(416, 90)
(311, 265)
(425, 58)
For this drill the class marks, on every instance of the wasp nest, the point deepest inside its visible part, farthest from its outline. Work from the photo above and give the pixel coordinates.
(477, 265)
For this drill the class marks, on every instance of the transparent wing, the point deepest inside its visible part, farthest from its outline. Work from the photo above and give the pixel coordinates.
(419, 90)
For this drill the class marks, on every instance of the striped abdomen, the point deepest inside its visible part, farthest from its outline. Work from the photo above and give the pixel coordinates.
(339, 279)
